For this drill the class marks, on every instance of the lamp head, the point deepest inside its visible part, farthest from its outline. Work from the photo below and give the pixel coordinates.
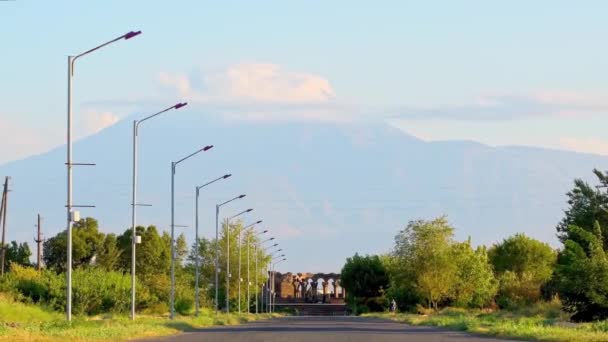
(131, 34)
(227, 176)
(264, 232)
(242, 196)
(260, 221)
(248, 210)
(207, 148)
(180, 105)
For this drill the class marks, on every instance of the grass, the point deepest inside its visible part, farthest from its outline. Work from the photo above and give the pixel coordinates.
(21, 322)
(542, 322)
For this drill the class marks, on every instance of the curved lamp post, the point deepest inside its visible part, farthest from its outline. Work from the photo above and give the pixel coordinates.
(249, 233)
(196, 242)
(71, 216)
(239, 275)
(173, 167)
(228, 275)
(273, 298)
(217, 249)
(134, 203)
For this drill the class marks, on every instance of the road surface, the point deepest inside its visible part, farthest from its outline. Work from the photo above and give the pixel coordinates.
(321, 329)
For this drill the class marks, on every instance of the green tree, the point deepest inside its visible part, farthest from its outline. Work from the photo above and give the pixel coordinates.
(18, 253)
(424, 249)
(153, 254)
(523, 266)
(586, 205)
(87, 241)
(581, 274)
(109, 256)
(475, 284)
(366, 278)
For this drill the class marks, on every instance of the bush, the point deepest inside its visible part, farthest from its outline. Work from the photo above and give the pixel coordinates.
(184, 306)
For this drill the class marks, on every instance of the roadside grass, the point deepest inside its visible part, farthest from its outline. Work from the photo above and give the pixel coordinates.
(542, 322)
(22, 322)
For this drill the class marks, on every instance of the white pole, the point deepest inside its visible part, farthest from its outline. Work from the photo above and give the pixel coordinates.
(172, 300)
(239, 263)
(227, 266)
(133, 219)
(248, 279)
(217, 256)
(197, 256)
(255, 251)
(68, 308)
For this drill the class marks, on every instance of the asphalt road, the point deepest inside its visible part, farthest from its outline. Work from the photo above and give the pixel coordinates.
(321, 329)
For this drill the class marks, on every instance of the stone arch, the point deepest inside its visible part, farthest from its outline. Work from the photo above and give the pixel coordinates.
(320, 290)
(339, 290)
(331, 288)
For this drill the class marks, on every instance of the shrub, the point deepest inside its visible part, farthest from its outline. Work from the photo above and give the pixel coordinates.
(183, 306)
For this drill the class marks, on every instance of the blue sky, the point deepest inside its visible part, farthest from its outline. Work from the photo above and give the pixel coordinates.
(545, 62)
(511, 73)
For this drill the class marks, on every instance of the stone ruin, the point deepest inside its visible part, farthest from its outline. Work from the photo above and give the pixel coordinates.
(309, 288)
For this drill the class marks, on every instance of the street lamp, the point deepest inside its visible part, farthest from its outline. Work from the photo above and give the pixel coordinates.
(267, 285)
(257, 257)
(240, 278)
(249, 233)
(69, 164)
(273, 298)
(228, 275)
(217, 248)
(271, 285)
(173, 167)
(196, 242)
(134, 203)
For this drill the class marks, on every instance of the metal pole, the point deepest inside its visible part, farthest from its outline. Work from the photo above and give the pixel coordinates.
(197, 255)
(256, 277)
(248, 279)
(133, 219)
(217, 256)
(38, 242)
(239, 263)
(68, 306)
(172, 313)
(227, 265)
(3, 214)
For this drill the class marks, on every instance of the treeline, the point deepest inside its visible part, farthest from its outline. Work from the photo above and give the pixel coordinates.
(427, 269)
(102, 265)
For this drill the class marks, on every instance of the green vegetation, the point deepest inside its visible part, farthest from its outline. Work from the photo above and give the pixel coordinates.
(518, 288)
(22, 322)
(32, 302)
(365, 278)
(538, 322)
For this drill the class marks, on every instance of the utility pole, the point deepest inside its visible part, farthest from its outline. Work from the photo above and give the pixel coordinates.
(38, 241)
(3, 215)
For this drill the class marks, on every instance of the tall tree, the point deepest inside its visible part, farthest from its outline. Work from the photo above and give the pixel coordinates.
(109, 256)
(586, 205)
(87, 241)
(523, 266)
(424, 250)
(365, 277)
(581, 274)
(18, 253)
(475, 284)
(153, 255)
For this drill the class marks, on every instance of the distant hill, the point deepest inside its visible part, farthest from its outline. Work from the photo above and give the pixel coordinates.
(326, 190)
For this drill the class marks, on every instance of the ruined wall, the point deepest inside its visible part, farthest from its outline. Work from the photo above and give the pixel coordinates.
(309, 287)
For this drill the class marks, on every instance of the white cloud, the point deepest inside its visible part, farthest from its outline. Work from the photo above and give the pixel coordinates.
(587, 145)
(510, 107)
(251, 82)
(94, 121)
